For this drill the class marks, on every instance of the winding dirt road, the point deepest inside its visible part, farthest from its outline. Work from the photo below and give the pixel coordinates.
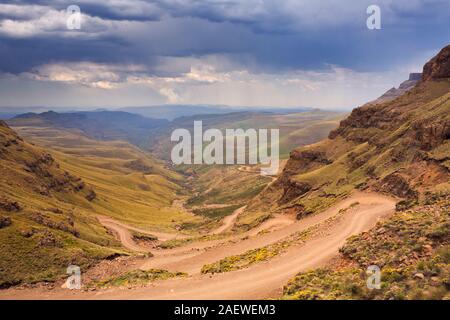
(262, 280)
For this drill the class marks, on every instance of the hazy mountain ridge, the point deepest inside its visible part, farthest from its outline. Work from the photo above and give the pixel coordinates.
(153, 135)
(172, 112)
(405, 86)
(101, 125)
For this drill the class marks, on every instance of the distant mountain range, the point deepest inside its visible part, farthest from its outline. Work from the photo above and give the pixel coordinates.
(100, 125)
(151, 134)
(168, 112)
(171, 112)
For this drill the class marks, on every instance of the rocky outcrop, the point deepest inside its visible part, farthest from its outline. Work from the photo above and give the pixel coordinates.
(292, 190)
(9, 205)
(58, 225)
(304, 160)
(427, 135)
(397, 185)
(48, 239)
(370, 117)
(438, 67)
(4, 222)
(91, 195)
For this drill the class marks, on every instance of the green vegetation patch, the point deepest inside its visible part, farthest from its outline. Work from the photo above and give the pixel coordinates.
(216, 213)
(425, 279)
(136, 278)
(237, 262)
(174, 243)
(30, 254)
(139, 236)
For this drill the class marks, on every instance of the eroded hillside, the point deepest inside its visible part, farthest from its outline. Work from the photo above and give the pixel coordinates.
(45, 220)
(400, 147)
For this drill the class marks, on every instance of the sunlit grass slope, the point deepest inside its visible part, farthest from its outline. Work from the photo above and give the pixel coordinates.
(46, 220)
(131, 186)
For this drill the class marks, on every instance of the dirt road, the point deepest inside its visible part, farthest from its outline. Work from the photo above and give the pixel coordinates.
(258, 281)
(229, 221)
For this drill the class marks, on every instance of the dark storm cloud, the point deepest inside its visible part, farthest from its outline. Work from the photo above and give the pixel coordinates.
(263, 36)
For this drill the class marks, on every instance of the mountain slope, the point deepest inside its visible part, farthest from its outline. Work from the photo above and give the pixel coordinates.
(400, 147)
(45, 220)
(50, 197)
(131, 186)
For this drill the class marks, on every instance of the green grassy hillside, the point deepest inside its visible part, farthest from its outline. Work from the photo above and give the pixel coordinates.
(49, 200)
(46, 220)
(131, 186)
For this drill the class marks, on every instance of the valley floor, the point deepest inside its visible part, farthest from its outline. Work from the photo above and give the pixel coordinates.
(327, 232)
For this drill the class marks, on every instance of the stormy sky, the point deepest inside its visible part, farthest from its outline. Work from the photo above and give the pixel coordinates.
(283, 53)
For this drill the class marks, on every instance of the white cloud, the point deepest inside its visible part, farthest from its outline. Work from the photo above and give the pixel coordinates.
(85, 73)
(27, 21)
(205, 84)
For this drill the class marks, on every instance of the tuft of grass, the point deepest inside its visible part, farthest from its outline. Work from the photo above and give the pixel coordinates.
(216, 213)
(137, 278)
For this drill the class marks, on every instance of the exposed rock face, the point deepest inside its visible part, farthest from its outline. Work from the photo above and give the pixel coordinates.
(304, 160)
(293, 189)
(438, 67)
(9, 205)
(415, 76)
(427, 135)
(367, 117)
(397, 185)
(4, 222)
